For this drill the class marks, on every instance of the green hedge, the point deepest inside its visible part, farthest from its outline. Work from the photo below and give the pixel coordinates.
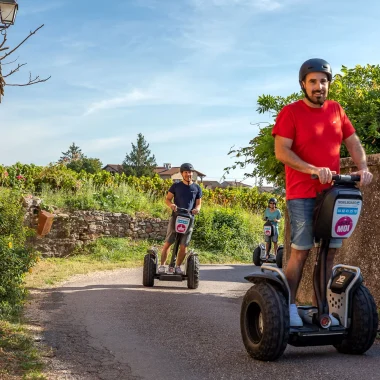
(16, 257)
(104, 185)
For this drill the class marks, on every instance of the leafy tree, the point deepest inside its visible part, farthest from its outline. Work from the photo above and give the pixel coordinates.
(89, 165)
(73, 154)
(357, 90)
(75, 160)
(140, 162)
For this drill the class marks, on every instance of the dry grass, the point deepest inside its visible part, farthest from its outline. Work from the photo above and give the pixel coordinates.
(19, 359)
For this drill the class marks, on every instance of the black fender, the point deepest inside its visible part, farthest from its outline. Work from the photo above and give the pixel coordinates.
(154, 253)
(256, 278)
(192, 253)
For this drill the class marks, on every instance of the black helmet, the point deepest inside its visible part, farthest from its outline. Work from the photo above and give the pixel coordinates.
(315, 65)
(274, 200)
(186, 168)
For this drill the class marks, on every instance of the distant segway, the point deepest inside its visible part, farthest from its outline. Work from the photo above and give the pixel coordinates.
(259, 254)
(264, 318)
(184, 220)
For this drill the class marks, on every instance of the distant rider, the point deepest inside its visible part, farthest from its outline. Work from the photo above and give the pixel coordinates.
(273, 214)
(185, 194)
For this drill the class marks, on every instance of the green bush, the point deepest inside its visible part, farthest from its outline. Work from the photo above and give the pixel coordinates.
(123, 198)
(230, 231)
(16, 257)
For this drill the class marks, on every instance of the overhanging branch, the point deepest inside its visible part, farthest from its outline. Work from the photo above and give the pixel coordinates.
(14, 70)
(31, 81)
(22, 42)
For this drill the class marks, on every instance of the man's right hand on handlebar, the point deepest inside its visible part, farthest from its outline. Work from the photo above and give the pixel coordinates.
(324, 175)
(173, 207)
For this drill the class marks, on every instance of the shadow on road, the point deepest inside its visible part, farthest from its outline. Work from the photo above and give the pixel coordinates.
(126, 331)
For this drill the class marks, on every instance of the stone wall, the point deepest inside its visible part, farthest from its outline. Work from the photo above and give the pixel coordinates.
(71, 231)
(363, 248)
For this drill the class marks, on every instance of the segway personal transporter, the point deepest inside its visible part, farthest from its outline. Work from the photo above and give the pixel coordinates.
(259, 255)
(184, 220)
(264, 318)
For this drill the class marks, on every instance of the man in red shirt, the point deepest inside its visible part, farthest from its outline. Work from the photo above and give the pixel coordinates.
(308, 136)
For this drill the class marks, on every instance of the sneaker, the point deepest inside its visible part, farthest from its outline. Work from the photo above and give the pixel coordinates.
(178, 270)
(161, 269)
(171, 270)
(307, 314)
(334, 321)
(295, 319)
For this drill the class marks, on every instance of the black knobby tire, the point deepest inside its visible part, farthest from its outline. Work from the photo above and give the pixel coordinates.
(149, 270)
(193, 272)
(256, 256)
(364, 324)
(279, 256)
(264, 322)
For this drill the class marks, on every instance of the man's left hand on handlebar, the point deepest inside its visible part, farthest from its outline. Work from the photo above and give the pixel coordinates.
(365, 176)
(195, 211)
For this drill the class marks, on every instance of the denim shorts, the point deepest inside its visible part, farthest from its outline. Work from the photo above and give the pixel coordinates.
(273, 238)
(301, 224)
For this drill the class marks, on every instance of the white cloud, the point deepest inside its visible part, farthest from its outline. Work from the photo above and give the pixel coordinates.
(262, 5)
(129, 99)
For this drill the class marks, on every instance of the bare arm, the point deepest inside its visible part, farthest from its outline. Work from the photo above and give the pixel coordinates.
(284, 153)
(357, 153)
(169, 201)
(197, 208)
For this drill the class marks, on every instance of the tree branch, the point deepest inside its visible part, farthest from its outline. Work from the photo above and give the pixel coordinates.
(13, 50)
(31, 81)
(4, 40)
(9, 63)
(14, 70)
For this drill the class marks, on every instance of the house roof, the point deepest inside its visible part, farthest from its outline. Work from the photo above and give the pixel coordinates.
(234, 184)
(211, 183)
(266, 189)
(159, 169)
(115, 167)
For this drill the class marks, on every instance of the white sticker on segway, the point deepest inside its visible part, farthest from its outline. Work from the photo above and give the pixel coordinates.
(345, 216)
(182, 224)
(267, 230)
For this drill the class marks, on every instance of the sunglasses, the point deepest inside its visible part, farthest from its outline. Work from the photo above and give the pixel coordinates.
(272, 203)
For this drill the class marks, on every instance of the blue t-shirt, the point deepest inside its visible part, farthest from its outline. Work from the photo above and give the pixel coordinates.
(185, 195)
(276, 214)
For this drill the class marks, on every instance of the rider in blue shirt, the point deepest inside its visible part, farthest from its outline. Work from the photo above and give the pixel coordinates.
(185, 194)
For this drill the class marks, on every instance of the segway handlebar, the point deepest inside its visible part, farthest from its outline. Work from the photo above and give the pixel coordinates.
(184, 210)
(342, 177)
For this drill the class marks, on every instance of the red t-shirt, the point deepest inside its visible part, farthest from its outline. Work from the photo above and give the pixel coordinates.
(317, 135)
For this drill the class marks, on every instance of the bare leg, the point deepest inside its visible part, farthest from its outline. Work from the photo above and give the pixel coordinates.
(294, 270)
(267, 247)
(181, 254)
(275, 246)
(164, 254)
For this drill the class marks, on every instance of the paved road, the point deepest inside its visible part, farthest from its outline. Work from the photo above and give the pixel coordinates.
(107, 326)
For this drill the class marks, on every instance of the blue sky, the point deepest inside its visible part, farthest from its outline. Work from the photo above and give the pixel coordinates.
(184, 73)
